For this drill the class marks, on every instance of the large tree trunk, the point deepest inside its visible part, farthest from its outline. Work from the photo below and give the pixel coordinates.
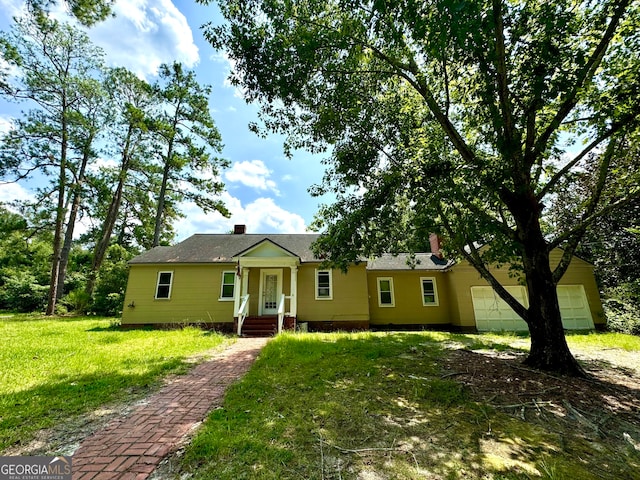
(157, 231)
(60, 216)
(105, 237)
(549, 349)
(71, 224)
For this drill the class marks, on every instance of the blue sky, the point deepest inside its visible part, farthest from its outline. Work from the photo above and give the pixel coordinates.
(264, 190)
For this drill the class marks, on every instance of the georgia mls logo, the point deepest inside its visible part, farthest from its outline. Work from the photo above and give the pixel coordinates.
(35, 468)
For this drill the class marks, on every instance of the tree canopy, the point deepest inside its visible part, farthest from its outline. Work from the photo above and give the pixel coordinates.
(464, 118)
(102, 146)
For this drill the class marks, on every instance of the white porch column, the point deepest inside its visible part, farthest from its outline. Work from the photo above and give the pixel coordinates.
(245, 281)
(236, 291)
(293, 303)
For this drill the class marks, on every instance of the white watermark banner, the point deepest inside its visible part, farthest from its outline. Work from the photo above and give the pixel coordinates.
(35, 468)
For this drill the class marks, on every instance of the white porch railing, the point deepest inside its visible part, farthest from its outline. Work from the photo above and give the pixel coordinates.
(243, 311)
(281, 313)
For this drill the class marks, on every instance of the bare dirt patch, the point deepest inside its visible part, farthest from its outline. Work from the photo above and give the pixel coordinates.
(599, 413)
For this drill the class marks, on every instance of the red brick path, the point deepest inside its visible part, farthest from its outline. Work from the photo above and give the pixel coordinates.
(133, 446)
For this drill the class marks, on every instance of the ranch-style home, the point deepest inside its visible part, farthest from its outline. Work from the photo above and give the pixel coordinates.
(260, 283)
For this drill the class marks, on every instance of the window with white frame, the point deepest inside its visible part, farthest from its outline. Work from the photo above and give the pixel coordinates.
(429, 291)
(324, 285)
(385, 292)
(227, 290)
(163, 285)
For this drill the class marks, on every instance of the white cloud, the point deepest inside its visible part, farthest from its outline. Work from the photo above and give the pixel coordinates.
(229, 69)
(11, 192)
(12, 8)
(260, 216)
(144, 34)
(253, 173)
(6, 124)
(99, 163)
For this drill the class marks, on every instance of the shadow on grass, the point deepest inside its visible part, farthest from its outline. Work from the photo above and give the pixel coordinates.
(64, 398)
(365, 406)
(480, 341)
(369, 405)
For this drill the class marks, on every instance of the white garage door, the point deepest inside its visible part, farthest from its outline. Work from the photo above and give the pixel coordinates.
(493, 314)
(574, 307)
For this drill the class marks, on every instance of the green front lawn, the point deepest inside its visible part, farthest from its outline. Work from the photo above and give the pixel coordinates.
(55, 369)
(380, 406)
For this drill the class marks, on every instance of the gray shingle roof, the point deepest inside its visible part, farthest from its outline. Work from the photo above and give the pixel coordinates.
(221, 248)
(423, 261)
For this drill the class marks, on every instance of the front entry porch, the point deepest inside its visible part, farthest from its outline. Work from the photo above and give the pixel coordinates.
(265, 292)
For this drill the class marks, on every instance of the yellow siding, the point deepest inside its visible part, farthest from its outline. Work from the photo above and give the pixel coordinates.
(464, 276)
(408, 308)
(195, 294)
(350, 296)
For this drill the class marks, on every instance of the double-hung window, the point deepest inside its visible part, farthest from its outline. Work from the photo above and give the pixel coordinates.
(385, 292)
(324, 285)
(163, 285)
(228, 285)
(429, 291)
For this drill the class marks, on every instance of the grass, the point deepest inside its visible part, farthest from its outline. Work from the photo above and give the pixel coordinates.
(366, 406)
(55, 369)
(501, 341)
(630, 343)
(371, 406)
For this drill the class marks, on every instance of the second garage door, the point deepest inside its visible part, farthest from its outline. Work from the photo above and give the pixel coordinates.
(493, 314)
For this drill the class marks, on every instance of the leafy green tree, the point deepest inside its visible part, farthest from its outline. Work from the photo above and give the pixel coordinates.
(612, 243)
(108, 297)
(130, 99)
(452, 117)
(87, 12)
(24, 263)
(187, 141)
(90, 120)
(56, 63)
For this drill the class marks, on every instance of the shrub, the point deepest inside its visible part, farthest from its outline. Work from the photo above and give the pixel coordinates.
(622, 307)
(76, 301)
(108, 296)
(22, 293)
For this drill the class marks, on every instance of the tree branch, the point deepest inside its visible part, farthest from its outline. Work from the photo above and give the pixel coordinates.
(583, 77)
(616, 127)
(475, 259)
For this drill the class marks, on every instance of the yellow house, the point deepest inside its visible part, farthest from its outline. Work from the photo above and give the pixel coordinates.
(259, 283)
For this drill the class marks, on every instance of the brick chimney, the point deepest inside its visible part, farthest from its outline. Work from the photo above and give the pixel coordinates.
(436, 244)
(239, 229)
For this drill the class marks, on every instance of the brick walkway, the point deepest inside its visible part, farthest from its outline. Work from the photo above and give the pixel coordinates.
(133, 446)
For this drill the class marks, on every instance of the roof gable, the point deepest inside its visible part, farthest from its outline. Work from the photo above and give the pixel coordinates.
(266, 248)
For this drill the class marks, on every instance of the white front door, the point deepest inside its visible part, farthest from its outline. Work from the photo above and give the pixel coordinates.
(270, 291)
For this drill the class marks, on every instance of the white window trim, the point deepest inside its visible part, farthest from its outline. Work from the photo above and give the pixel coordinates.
(435, 292)
(393, 296)
(168, 297)
(232, 297)
(330, 272)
